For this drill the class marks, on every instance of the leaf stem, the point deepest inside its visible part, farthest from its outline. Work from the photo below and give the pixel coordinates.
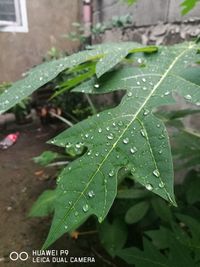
(91, 104)
(69, 123)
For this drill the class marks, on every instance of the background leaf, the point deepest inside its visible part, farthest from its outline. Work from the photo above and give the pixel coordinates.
(113, 236)
(44, 204)
(136, 212)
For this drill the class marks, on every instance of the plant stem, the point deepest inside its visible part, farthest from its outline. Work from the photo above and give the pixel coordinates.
(91, 104)
(69, 123)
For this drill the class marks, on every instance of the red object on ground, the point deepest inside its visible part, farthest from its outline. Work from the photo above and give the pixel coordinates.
(9, 140)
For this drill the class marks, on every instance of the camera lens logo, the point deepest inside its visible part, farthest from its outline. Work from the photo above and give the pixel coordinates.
(14, 256)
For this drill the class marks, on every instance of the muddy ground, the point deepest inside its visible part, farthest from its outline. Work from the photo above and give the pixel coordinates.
(22, 181)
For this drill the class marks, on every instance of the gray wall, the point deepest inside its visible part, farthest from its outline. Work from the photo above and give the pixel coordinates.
(154, 21)
(48, 20)
(145, 12)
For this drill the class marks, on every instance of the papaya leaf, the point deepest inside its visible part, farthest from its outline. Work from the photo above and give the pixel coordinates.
(113, 236)
(150, 257)
(126, 136)
(177, 256)
(129, 135)
(44, 204)
(132, 194)
(45, 72)
(136, 212)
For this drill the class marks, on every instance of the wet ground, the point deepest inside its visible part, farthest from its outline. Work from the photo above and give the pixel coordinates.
(22, 181)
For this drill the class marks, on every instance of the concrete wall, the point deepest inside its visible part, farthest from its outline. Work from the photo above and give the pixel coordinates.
(145, 12)
(154, 21)
(48, 20)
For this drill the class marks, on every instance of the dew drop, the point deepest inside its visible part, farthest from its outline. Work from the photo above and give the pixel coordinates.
(146, 112)
(68, 145)
(132, 170)
(129, 94)
(133, 150)
(89, 152)
(111, 173)
(99, 130)
(156, 173)
(110, 136)
(161, 184)
(149, 187)
(96, 85)
(120, 123)
(86, 135)
(126, 140)
(66, 227)
(91, 194)
(138, 83)
(188, 97)
(76, 213)
(142, 133)
(108, 129)
(144, 80)
(166, 93)
(85, 208)
(78, 145)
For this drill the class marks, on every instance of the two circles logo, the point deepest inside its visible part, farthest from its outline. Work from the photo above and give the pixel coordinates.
(14, 256)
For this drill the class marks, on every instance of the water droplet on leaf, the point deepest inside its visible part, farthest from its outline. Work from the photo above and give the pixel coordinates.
(149, 187)
(156, 173)
(126, 140)
(85, 208)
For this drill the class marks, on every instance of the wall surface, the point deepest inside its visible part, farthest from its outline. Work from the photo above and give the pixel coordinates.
(48, 20)
(154, 21)
(145, 12)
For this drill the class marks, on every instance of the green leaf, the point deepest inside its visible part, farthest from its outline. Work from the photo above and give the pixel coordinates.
(177, 255)
(160, 237)
(162, 209)
(188, 5)
(128, 135)
(44, 204)
(187, 147)
(193, 192)
(46, 157)
(150, 257)
(136, 212)
(44, 73)
(132, 193)
(113, 236)
(117, 54)
(130, 2)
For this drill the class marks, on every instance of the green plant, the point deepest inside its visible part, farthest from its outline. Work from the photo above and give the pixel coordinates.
(128, 136)
(188, 5)
(98, 28)
(22, 109)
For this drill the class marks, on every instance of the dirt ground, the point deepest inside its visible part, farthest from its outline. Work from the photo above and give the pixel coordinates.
(22, 181)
